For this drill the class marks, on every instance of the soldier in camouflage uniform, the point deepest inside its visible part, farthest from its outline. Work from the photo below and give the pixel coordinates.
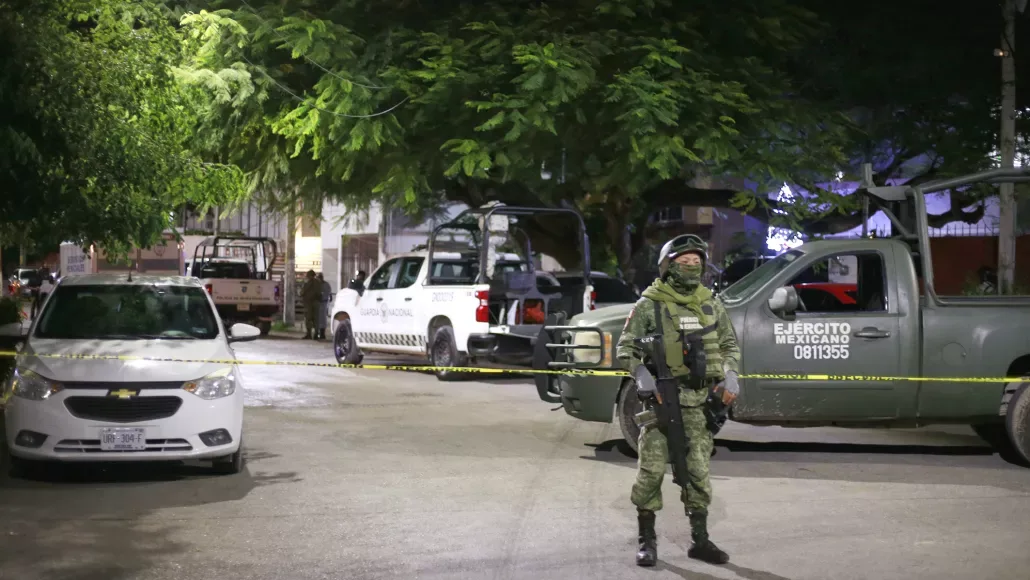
(687, 307)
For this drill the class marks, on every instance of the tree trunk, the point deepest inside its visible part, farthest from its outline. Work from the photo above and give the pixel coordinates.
(1007, 210)
(290, 269)
(619, 239)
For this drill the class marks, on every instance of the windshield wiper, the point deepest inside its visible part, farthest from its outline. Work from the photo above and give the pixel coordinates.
(165, 337)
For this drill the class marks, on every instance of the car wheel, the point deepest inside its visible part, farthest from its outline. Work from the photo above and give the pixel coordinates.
(230, 464)
(265, 327)
(344, 346)
(1017, 422)
(444, 353)
(627, 408)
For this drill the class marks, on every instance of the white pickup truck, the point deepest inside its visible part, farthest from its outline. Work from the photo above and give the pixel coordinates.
(444, 309)
(236, 273)
(447, 317)
(238, 296)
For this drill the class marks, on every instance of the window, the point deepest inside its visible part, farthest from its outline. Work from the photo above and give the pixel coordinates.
(743, 289)
(454, 272)
(610, 290)
(229, 270)
(128, 312)
(409, 272)
(381, 279)
(843, 283)
(669, 214)
(740, 268)
(464, 272)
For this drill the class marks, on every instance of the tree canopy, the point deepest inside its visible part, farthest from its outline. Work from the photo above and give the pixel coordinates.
(98, 138)
(119, 112)
(408, 104)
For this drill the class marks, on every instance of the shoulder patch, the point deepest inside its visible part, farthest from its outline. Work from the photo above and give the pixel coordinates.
(707, 309)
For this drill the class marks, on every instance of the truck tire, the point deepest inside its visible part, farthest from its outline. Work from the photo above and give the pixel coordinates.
(345, 348)
(627, 406)
(443, 352)
(1017, 422)
(265, 327)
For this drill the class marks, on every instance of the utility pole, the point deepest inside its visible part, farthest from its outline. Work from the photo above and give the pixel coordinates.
(290, 271)
(1007, 209)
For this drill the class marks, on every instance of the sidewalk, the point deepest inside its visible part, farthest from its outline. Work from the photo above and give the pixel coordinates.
(294, 332)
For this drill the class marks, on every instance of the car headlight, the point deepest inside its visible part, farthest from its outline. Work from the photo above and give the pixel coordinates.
(602, 358)
(32, 386)
(216, 385)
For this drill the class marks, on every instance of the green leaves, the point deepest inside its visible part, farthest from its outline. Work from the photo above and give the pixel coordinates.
(100, 147)
(634, 95)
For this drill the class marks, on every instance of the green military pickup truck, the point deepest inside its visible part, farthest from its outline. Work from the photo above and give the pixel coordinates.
(876, 325)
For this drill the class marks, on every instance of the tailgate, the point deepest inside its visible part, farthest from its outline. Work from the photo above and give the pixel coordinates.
(255, 292)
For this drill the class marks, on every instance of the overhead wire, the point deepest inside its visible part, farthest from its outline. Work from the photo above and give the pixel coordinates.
(306, 57)
(298, 98)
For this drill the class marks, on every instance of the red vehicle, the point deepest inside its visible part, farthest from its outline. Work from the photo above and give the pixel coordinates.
(828, 296)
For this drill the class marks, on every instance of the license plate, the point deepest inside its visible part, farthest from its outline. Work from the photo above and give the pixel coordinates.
(123, 439)
(243, 307)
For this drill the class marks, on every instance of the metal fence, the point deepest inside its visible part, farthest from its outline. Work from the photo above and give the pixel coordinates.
(971, 230)
(955, 230)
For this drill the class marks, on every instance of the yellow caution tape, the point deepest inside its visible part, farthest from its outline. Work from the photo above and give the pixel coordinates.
(518, 371)
(410, 368)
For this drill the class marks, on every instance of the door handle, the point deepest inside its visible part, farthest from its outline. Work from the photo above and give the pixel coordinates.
(380, 299)
(408, 299)
(871, 332)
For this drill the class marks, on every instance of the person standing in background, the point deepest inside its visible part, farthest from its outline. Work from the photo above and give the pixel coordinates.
(46, 286)
(311, 297)
(323, 310)
(358, 283)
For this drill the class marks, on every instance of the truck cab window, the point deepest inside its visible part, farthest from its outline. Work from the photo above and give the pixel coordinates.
(844, 283)
(410, 268)
(381, 279)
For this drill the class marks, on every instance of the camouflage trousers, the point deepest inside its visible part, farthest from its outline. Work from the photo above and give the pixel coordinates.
(654, 456)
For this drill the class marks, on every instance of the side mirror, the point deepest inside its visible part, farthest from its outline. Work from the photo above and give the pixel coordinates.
(243, 333)
(784, 300)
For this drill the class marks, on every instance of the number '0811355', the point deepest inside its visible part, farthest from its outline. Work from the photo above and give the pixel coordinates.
(821, 351)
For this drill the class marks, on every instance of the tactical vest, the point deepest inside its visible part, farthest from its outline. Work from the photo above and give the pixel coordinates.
(687, 323)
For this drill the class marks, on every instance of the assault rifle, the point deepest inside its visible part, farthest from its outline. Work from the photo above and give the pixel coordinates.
(667, 410)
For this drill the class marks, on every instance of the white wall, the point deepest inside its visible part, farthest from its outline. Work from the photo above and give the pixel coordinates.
(336, 223)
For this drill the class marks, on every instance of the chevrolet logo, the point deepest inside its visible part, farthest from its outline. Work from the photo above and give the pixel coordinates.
(122, 393)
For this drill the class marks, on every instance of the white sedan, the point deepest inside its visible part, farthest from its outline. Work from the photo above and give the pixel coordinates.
(63, 408)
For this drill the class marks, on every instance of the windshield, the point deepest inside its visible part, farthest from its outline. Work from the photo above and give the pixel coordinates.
(128, 312)
(743, 289)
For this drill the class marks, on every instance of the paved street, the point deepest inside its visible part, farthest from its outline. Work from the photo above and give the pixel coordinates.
(371, 475)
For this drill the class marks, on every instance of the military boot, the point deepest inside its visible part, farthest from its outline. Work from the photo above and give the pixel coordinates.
(647, 555)
(703, 548)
